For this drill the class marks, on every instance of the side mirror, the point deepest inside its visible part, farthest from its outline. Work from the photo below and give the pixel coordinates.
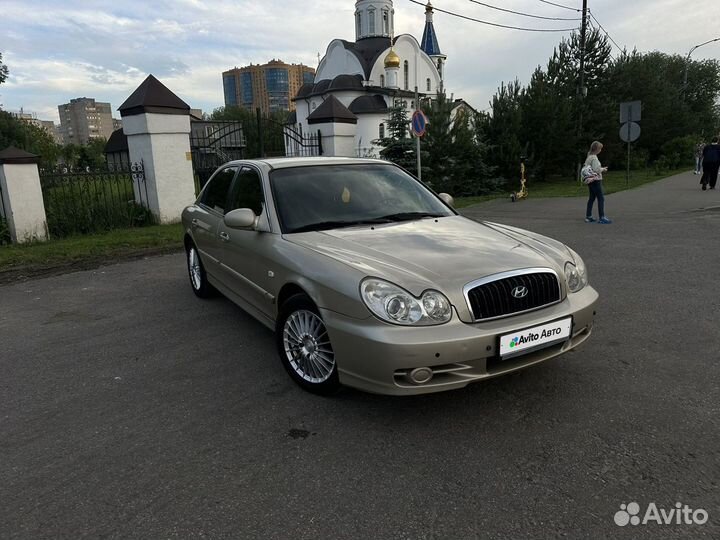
(447, 199)
(242, 218)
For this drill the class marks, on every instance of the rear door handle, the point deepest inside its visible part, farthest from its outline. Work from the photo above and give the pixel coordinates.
(225, 237)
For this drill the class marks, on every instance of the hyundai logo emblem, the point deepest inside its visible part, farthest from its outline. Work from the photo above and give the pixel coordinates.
(520, 292)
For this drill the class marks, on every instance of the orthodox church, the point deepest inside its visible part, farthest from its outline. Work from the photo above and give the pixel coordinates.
(357, 81)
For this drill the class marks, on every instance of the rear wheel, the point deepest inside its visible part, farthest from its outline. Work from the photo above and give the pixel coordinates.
(196, 272)
(304, 346)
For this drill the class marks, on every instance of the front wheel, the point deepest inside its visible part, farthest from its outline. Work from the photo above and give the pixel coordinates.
(304, 346)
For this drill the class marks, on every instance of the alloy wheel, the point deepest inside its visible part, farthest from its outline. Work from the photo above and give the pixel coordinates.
(307, 346)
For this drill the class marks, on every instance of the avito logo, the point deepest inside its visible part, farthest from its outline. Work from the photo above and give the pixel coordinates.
(629, 514)
(529, 338)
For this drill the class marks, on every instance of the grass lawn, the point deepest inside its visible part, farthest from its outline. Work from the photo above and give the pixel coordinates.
(613, 181)
(87, 251)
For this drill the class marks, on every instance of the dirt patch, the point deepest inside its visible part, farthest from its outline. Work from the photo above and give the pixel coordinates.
(35, 271)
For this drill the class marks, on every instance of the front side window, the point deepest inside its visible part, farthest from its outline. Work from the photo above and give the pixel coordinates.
(215, 194)
(247, 192)
(333, 196)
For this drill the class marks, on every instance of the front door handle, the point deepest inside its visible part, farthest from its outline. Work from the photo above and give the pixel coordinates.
(194, 223)
(225, 237)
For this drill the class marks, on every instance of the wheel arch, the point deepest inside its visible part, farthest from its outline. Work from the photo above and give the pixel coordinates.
(291, 289)
(187, 241)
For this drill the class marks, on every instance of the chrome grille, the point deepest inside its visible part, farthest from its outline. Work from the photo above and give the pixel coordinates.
(492, 297)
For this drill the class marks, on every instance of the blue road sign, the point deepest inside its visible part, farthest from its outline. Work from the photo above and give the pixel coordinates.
(419, 123)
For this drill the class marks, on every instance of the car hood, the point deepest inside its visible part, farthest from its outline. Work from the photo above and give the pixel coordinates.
(443, 254)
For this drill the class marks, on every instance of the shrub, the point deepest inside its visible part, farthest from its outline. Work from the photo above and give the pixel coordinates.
(5, 237)
(680, 151)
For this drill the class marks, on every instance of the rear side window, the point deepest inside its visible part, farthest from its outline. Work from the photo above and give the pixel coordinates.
(247, 192)
(215, 195)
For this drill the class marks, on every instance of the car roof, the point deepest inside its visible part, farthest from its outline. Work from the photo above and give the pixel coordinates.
(286, 162)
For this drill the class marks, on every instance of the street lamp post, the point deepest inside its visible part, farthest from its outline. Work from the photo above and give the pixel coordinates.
(687, 59)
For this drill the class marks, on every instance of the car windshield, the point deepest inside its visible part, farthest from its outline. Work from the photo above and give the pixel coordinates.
(332, 196)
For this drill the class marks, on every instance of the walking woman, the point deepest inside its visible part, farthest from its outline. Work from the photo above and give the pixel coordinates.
(595, 186)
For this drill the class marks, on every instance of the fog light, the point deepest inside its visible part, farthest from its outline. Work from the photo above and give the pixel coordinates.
(421, 375)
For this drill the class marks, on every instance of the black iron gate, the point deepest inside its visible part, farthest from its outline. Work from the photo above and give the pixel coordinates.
(298, 144)
(213, 143)
(278, 136)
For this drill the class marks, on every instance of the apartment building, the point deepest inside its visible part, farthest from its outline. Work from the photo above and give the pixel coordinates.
(269, 87)
(84, 119)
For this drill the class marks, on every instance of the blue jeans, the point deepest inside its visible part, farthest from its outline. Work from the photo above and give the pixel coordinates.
(596, 192)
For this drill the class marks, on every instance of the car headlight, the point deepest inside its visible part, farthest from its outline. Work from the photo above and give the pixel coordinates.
(575, 273)
(395, 305)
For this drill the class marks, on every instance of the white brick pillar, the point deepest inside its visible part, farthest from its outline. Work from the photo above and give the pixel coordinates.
(337, 125)
(21, 196)
(157, 125)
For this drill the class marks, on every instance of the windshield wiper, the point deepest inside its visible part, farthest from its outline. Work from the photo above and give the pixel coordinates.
(324, 225)
(410, 216)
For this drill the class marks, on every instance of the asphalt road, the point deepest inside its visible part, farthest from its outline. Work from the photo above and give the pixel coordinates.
(131, 409)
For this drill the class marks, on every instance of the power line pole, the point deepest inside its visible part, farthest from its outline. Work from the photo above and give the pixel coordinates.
(583, 35)
(581, 87)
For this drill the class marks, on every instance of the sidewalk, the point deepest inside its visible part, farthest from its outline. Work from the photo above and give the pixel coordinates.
(675, 195)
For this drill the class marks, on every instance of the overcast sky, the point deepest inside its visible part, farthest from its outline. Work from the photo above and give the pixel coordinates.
(62, 49)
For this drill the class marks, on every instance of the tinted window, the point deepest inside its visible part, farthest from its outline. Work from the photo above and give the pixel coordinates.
(216, 192)
(346, 193)
(247, 192)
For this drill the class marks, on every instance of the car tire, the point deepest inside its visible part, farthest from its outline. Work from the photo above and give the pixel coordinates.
(196, 272)
(304, 346)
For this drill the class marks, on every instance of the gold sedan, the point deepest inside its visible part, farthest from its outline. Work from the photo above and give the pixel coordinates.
(371, 280)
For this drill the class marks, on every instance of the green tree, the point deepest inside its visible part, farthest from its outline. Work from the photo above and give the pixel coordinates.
(503, 130)
(92, 154)
(70, 154)
(456, 156)
(563, 73)
(3, 71)
(547, 127)
(28, 137)
(397, 146)
(670, 110)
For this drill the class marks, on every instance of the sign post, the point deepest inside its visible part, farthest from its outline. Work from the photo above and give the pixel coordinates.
(418, 126)
(630, 113)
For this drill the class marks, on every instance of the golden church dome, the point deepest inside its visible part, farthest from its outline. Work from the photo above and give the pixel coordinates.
(392, 60)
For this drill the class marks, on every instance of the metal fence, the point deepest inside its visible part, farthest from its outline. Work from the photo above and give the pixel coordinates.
(213, 143)
(89, 201)
(299, 144)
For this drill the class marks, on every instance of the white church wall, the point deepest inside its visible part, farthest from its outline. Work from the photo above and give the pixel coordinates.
(368, 130)
(338, 61)
(420, 66)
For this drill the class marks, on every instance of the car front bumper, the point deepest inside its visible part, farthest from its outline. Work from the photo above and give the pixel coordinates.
(378, 357)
